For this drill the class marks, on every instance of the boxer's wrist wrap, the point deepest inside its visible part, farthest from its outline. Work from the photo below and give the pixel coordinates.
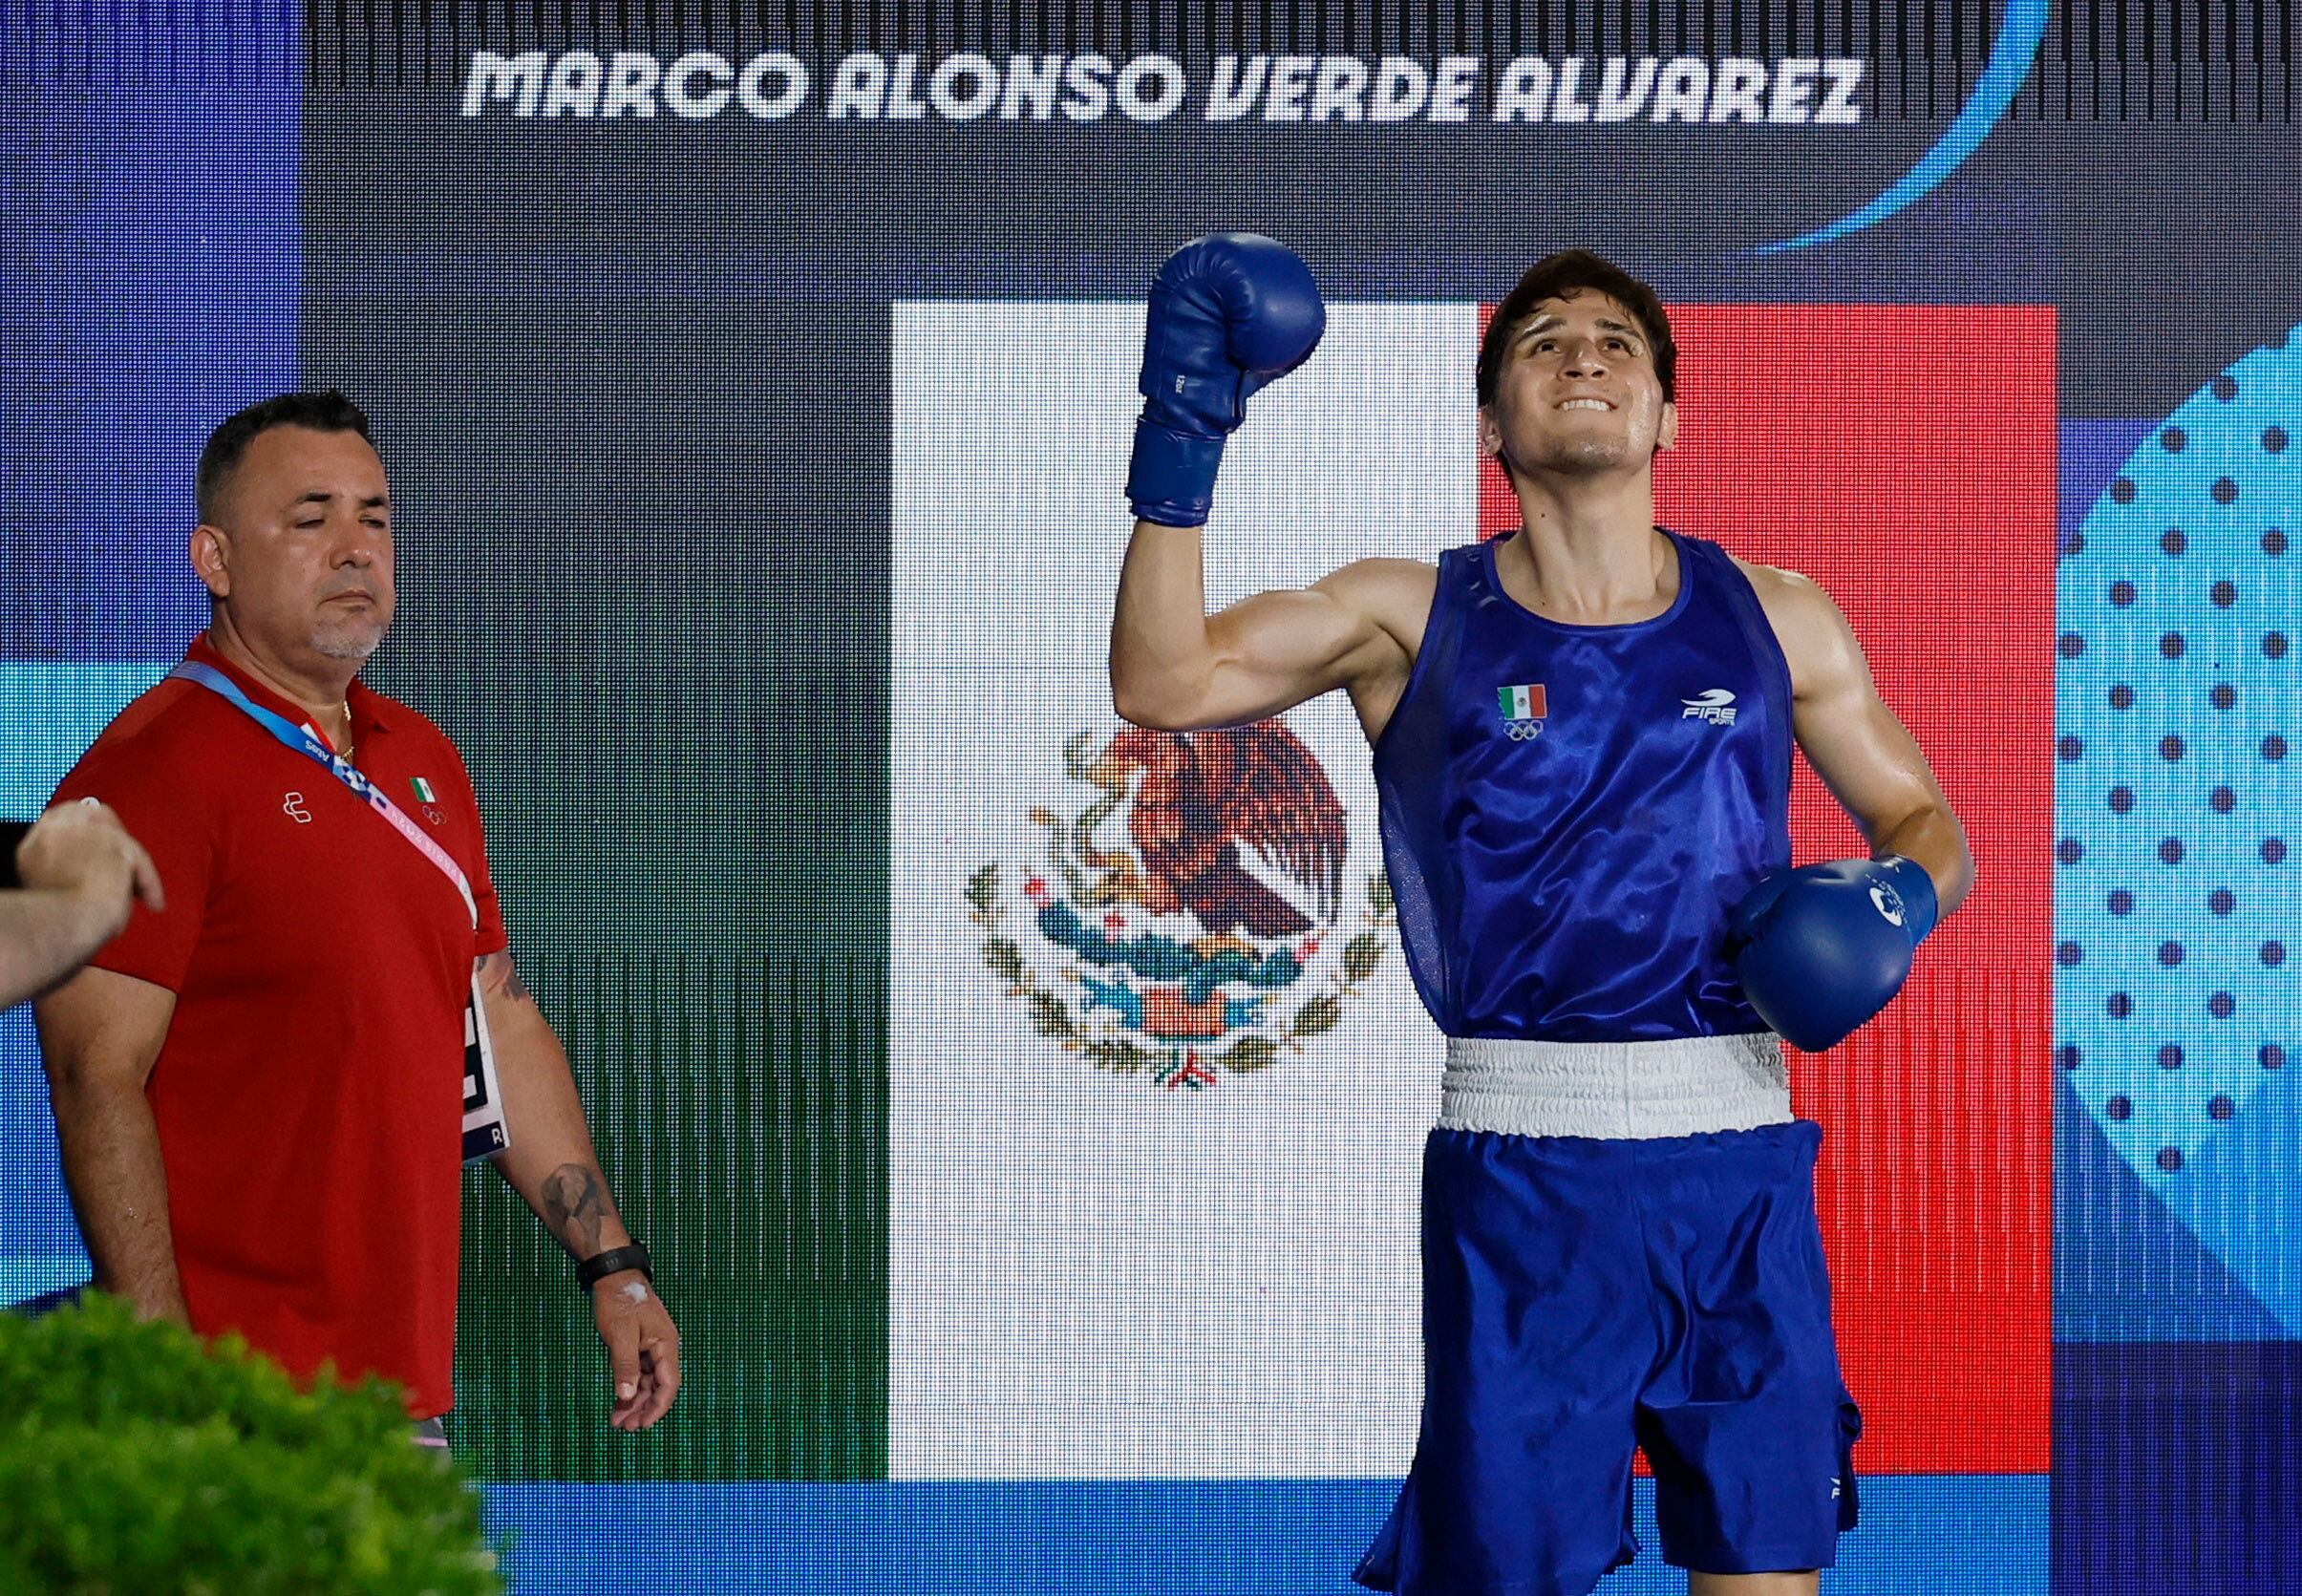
(1171, 477)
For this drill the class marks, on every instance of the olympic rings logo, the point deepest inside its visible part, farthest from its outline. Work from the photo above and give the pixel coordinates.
(1524, 730)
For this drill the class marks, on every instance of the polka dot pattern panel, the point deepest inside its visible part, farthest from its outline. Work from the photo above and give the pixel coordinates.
(2178, 704)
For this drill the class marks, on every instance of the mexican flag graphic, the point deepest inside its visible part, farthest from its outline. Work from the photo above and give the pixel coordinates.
(1104, 1164)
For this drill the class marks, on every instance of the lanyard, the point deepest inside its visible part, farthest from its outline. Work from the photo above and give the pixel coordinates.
(306, 740)
(485, 1131)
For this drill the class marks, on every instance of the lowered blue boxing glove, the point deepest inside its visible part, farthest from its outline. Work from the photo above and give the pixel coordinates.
(1824, 948)
(1229, 314)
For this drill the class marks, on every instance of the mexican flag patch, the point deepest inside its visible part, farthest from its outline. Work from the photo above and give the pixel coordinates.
(1523, 703)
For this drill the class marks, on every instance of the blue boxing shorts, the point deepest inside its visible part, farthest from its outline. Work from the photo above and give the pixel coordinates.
(1583, 1295)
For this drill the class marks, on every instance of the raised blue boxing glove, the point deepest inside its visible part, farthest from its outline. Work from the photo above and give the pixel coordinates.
(1824, 948)
(1229, 312)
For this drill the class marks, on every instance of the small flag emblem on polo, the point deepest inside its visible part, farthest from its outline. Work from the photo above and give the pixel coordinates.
(1523, 703)
(423, 789)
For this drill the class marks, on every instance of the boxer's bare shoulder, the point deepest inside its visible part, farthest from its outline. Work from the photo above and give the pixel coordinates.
(1817, 642)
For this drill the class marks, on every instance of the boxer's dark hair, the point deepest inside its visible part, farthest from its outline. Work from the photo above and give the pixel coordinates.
(1564, 276)
(326, 411)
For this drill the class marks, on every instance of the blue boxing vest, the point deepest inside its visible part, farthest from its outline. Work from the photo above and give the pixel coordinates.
(1569, 812)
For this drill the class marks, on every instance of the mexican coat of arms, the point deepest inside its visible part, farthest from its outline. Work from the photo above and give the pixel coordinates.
(1186, 920)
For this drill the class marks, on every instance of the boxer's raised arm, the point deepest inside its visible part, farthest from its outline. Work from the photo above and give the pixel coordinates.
(1228, 314)
(1175, 668)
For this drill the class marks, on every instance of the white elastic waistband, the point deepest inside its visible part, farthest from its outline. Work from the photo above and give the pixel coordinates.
(1621, 1091)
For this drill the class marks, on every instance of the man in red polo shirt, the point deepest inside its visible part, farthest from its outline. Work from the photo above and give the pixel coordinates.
(260, 1091)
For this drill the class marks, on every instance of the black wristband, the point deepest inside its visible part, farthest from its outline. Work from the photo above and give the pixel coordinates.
(596, 1268)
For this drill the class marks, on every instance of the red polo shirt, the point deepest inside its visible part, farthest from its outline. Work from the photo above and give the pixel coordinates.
(309, 1094)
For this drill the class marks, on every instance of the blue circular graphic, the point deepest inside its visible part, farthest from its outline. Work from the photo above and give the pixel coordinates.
(2176, 702)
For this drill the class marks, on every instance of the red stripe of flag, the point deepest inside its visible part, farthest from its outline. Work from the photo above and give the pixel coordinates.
(1849, 442)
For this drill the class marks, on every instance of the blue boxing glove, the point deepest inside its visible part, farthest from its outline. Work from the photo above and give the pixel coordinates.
(1824, 948)
(1229, 314)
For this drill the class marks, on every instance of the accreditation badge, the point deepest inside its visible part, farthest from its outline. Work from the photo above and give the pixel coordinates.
(484, 1132)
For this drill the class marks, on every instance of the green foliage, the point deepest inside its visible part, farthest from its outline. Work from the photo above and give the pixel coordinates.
(1378, 894)
(1249, 1053)
(1005, 960)
(1048, 1015)
(983, 888)
(1122, 1057)
(136, 1459)
(1360, 956)
(1315, 1018)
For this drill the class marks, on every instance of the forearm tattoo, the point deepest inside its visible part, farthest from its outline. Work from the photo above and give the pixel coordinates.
(576, 1206)
(514, 987)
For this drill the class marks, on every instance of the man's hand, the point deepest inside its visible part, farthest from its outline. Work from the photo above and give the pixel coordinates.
(81, 873)
(643, 1347)
(83, 851)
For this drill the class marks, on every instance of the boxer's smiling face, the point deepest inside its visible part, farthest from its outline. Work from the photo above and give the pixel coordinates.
(303, 562)
(1577, 390)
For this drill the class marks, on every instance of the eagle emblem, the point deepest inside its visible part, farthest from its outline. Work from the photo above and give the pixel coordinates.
(1186, 920)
